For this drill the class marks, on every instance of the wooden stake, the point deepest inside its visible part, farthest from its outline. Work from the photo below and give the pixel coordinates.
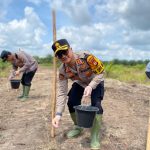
(55, 75)
(148, 133)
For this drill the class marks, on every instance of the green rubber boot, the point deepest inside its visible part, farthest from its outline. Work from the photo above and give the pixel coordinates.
(26, 93)
(76, 131)
(22, 95)
(95, 139)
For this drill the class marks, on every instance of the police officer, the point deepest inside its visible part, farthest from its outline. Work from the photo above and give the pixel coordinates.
(21, 63)
(148, 70)
(86, 71)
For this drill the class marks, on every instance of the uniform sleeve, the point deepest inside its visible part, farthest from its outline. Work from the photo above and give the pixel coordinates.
(26, 62)
(12, 75)
(98, 69)
(148, 67)
(62, 93)
(96, 80)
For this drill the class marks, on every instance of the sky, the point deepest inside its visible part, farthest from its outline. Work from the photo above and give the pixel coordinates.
(109, 29)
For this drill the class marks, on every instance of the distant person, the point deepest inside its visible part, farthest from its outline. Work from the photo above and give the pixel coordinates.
(22, 63)
(86, 71)
(148, 70)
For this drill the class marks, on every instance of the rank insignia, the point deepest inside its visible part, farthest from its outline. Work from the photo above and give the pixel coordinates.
(79, 62)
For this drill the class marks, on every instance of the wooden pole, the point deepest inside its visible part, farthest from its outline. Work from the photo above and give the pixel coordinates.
(55, 75)
(148, 133)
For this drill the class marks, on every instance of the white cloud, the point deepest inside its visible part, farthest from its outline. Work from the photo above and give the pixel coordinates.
(77, 10)
(138, 38)
(132, 19)
(137, 14)
(122, 53)
(115, 23)
(110, 28)
(25, 33)
(86, 37)
(95, 39)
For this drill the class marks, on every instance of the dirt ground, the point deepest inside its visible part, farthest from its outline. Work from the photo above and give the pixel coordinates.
(26, 125)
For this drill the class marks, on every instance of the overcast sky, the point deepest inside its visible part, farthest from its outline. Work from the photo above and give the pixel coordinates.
(108, 28)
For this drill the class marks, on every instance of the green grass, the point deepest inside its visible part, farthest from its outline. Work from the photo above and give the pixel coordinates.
(4, 69)
(127, 73)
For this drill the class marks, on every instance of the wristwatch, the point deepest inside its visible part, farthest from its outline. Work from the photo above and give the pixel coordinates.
(58, 113)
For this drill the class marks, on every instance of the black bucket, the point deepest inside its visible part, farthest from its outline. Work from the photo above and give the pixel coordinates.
(15, 84)
(85, 115)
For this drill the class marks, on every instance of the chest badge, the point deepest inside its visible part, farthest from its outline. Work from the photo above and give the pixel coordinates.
(79, 62)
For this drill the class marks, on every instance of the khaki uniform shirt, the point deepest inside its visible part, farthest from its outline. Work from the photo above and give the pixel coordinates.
(148, 67)
(87, 71)
(25, 62)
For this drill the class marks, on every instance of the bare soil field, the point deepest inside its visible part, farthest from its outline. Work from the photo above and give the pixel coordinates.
(26, 125)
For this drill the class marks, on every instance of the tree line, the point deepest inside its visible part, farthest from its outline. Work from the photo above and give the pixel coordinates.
(49, 59)
(127, 62)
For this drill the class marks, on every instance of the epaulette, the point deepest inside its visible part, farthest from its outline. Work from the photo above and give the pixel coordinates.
(83, 54)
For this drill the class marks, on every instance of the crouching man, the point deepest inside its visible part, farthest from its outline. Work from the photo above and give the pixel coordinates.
(21, 63)
(86, 71)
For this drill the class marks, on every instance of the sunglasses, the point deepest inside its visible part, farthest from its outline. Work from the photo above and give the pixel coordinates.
(60, 53)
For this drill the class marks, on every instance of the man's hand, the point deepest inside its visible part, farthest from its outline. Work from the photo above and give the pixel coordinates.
(10, 78)
(17, 72)
(87, 91)
(56, 120)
